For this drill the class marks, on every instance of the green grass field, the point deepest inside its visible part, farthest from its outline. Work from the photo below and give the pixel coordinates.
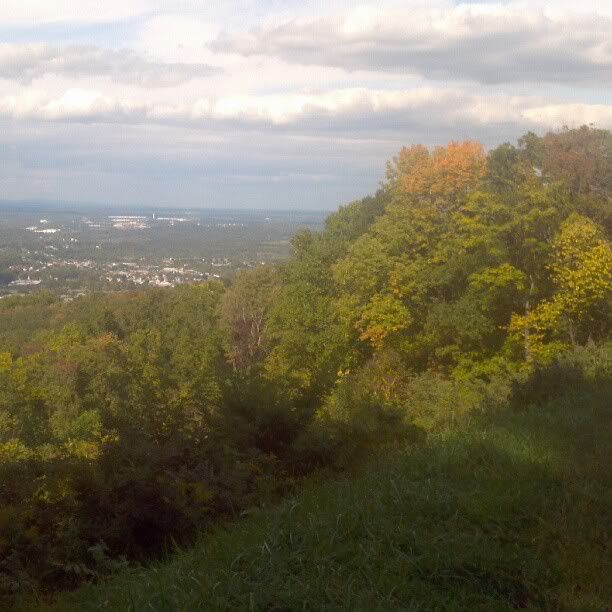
(508, 511)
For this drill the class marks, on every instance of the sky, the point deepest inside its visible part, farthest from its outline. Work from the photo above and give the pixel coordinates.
(278, 104)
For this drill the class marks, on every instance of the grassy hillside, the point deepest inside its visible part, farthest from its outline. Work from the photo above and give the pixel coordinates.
(509, 511)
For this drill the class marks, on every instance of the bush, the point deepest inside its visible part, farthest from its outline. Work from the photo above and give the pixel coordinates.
(582, 368)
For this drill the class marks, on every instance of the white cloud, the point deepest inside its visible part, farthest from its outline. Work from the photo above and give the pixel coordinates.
(37, 11)
(73, 105)
(487, 43)
(177, 38)
(27, 62)
(356, 110)
(34, 12)
(574, 115)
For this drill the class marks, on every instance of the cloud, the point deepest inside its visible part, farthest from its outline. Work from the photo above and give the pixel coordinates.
(31, 12)
(27, 62)
(308, 102)
(556, 115)
(486, 43)
(79, 105)
(357, 111)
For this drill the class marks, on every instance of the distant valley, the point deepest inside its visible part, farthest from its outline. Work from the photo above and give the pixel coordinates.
(101, 249)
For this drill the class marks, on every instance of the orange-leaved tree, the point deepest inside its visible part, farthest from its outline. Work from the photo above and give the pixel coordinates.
(447, 173)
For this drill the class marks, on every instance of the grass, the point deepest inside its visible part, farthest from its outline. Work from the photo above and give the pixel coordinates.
(512, 511)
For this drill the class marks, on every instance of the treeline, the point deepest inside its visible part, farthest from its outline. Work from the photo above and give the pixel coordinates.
(470, 282)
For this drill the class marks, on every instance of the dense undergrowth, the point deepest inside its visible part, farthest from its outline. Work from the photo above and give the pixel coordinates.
(504, 511)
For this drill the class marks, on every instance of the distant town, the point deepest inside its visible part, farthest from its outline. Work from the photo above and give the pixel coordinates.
(74, 252)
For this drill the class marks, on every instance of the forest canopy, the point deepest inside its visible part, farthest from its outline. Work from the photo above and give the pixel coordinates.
(469, 281)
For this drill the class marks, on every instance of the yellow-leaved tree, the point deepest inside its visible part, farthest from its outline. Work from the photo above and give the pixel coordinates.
(579, 309)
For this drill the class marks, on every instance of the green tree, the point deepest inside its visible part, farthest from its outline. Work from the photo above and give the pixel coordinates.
(244, 311)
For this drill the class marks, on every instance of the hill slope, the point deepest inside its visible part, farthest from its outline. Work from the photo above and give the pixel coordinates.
(508, 511)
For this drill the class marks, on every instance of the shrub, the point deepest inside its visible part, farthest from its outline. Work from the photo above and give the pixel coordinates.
(579, 369)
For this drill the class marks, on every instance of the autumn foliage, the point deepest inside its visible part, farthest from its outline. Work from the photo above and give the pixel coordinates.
(446, 173)
(128, 422)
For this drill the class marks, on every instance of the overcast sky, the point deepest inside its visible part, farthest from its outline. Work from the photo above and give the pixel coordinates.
(277, 103)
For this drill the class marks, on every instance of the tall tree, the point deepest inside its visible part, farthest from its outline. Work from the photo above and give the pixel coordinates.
(244, 311)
